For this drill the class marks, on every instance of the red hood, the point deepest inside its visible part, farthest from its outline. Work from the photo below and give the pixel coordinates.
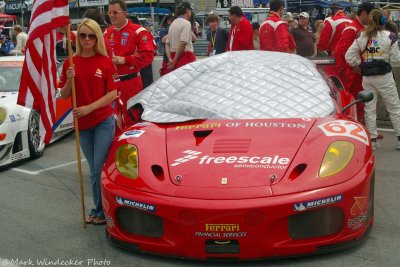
(233, 154)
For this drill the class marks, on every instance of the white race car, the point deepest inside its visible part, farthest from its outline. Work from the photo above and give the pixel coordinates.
(19, 126)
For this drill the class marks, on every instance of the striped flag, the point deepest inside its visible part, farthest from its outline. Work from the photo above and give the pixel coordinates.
(38, 80)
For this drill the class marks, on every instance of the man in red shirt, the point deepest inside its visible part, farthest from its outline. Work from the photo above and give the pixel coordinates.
(333, 29)
(352, 80)
(131, 50)
(274, 33)
(241, 34)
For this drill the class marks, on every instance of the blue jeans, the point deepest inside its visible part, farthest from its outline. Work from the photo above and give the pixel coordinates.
(95, 143)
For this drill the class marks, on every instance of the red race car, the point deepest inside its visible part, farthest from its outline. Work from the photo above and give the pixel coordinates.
(244, 155)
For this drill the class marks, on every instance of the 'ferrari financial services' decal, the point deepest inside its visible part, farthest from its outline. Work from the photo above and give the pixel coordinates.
(345, 128)
(317, 203)
(221, 230)
(135, 204)
(132, 133)
(254, 162)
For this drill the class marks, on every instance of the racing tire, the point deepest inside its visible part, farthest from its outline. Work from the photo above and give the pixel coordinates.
(35, 145)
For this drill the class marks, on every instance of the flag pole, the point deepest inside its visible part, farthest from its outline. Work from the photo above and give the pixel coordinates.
(77, 142)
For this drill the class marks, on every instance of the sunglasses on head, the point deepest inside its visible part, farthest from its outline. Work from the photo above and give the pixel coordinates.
(90, 36)
(114, 12)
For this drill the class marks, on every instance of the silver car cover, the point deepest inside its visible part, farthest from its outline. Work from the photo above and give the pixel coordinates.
(238, 85)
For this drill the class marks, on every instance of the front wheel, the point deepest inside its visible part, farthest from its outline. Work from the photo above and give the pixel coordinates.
(36, 147)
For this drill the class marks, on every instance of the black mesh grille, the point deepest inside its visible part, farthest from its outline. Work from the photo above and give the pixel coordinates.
(138, 222)
(316, 223)
(222, 247)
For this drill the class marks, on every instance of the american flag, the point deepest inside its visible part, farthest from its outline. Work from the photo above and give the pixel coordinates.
(38, 80)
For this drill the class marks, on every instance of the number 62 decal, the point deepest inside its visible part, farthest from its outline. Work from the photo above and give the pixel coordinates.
(345, 128)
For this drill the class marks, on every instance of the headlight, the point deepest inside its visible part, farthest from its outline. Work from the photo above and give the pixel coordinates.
(337, 157)
(3, 115)
(126, 159)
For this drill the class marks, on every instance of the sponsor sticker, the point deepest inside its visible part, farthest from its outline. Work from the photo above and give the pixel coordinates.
(224, 227)
(223, 230)
(357, 222)
(266, 162)
(18, 156)
(135, 204)
(131, 133)
(66, 125)
(12, 64)
(109, 220)
(198, 126)
(221, 235)
(141, 124)
(245, 124)
(188, 155)
(125, 34)
(345, 128)
(124, 41)
(12, 118)
(317, 203)
(358, 206)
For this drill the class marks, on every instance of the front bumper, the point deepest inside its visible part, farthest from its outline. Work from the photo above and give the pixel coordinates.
(240, 229)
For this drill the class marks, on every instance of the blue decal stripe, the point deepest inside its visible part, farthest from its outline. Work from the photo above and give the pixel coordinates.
(55, 125)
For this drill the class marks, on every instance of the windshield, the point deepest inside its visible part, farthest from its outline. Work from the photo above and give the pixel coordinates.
(10, 76)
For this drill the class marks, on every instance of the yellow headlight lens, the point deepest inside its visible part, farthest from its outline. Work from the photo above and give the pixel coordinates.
(3, 115)
(126, 159)
(337, 157)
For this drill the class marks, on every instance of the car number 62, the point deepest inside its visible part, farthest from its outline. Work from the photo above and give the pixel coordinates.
(345, 128)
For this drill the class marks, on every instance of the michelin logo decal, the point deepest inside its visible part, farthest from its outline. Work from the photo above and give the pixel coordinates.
(135, 204)
(317, 203)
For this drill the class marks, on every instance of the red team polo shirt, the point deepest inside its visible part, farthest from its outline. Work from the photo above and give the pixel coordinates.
(94, 77)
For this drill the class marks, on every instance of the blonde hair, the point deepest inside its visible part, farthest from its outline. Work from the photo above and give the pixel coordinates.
(373, 23)
(318, 23)
(17, 28)
(100, 46)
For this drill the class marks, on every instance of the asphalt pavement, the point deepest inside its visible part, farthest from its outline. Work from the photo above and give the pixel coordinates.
(40, 221)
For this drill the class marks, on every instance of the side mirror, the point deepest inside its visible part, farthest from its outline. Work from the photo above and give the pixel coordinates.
(363, 96)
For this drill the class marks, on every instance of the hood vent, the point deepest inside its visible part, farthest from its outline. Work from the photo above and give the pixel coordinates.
(201, 135)
(232, 145)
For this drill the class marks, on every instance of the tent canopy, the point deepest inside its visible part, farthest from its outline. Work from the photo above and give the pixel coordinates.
(321, 3)
(147, 10)
(6, 17)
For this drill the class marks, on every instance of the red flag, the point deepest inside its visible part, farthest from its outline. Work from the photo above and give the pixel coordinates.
(38, 80)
